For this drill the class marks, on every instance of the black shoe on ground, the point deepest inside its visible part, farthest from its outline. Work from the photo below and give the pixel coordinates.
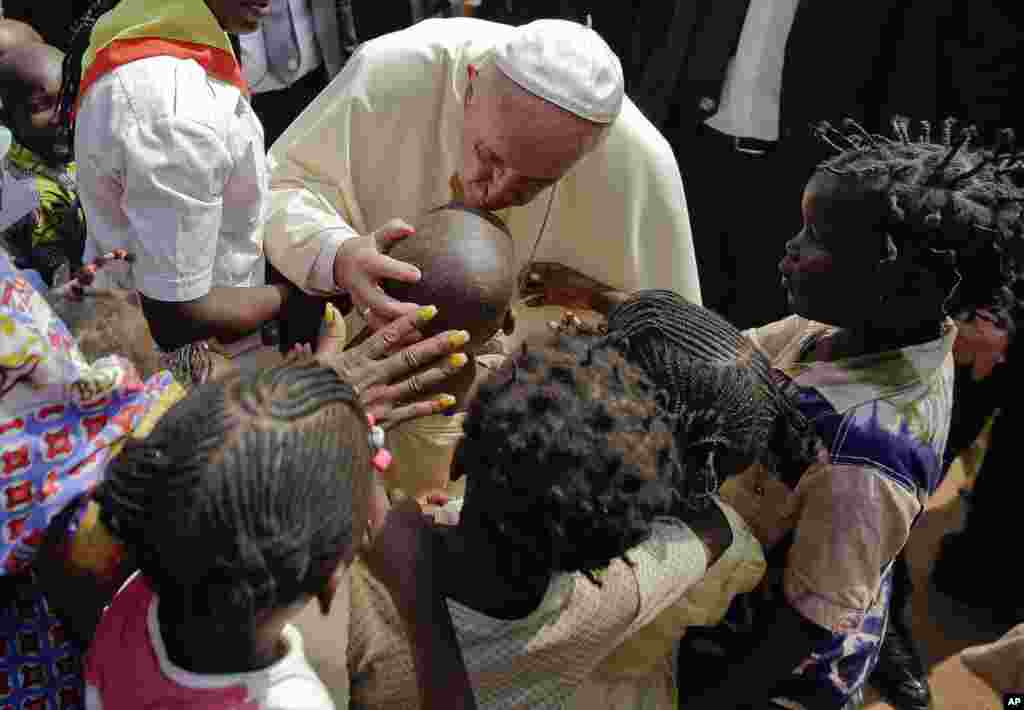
(900, 675)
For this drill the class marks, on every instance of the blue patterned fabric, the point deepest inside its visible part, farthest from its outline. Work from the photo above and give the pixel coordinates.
(40, 664)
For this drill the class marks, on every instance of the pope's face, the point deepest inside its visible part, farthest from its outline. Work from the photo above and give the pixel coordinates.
(513, 147)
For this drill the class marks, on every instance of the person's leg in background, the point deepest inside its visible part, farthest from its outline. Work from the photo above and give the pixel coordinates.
(967, 568)
(900, 674)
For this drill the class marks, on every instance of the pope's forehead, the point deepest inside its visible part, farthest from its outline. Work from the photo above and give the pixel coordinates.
(537, 142)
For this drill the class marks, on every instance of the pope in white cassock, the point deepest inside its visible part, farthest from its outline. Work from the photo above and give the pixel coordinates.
(525, 121)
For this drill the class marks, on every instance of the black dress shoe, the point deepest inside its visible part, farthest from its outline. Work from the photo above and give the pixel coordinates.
(900, 675)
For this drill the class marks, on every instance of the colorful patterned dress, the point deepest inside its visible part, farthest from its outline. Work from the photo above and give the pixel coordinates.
(61, 420)
(41, 219)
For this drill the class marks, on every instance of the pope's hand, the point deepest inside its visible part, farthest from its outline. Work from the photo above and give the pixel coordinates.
(362, 262)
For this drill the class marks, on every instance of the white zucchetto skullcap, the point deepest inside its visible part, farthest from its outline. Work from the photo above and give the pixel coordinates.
(565, 63)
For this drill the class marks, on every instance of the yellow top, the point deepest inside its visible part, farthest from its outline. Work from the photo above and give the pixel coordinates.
(93, 547)
(177, 21)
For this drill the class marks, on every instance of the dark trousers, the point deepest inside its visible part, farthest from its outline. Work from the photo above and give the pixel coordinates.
(743, 208)
(277, 109)
(999, 489)
(995, 501)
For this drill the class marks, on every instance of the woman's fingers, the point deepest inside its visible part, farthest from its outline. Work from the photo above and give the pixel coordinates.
(333, 333)
(419, 355)
(386, 338)
(388, 416)
(414, 386)
(376, 321)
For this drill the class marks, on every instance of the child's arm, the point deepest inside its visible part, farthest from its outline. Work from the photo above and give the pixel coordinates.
(81, 573)
(786, 641)
(440, 669)
(555, 284)
(223, 313)
(402, 557)
(851, 522)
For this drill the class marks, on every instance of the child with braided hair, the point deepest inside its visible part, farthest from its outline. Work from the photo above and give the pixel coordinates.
(567, 527)
(868, 357)
(228, 549)
(740, 440)
(245, 502)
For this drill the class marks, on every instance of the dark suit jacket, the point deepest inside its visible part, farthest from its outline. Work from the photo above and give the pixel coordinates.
(865, 60)
(980, 62)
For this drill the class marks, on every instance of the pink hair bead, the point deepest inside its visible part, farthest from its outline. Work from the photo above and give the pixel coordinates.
(382, 459)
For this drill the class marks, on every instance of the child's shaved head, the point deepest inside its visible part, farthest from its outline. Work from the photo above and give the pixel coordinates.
(30, 78)
(467, 259)
(26, 65)
(14, 33)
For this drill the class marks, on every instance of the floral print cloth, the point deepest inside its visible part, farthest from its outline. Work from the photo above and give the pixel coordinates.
(61, 419)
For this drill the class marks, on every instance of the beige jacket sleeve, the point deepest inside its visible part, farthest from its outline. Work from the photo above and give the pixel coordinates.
(852, 523)
(349, 155)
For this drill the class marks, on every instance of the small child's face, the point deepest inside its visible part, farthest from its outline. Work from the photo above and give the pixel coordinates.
(34, 118)
(982, 344)
(828, 267)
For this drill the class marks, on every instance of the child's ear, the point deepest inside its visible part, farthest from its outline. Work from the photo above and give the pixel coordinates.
(326, 595)
(509, 324)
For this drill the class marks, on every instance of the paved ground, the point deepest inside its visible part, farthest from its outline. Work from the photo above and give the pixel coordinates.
(942, 627)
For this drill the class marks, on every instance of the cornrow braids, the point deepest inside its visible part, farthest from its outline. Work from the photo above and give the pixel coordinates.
(71, 77)
(953, 207)
(568, 459)
(716, 385)
(245, 492)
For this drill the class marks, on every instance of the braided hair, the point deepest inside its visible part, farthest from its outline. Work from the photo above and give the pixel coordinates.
(246, 493)
(568, 459)
(717, 387)
(78, 43)
(954, 207)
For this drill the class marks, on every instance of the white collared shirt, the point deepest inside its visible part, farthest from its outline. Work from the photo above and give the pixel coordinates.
(172, 169)
(255, 65)
(749, 106)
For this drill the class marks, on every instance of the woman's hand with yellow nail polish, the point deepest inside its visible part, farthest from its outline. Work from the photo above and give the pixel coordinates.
(395, 365)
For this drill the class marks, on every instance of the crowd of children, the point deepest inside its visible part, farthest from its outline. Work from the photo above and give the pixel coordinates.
(634, 506)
